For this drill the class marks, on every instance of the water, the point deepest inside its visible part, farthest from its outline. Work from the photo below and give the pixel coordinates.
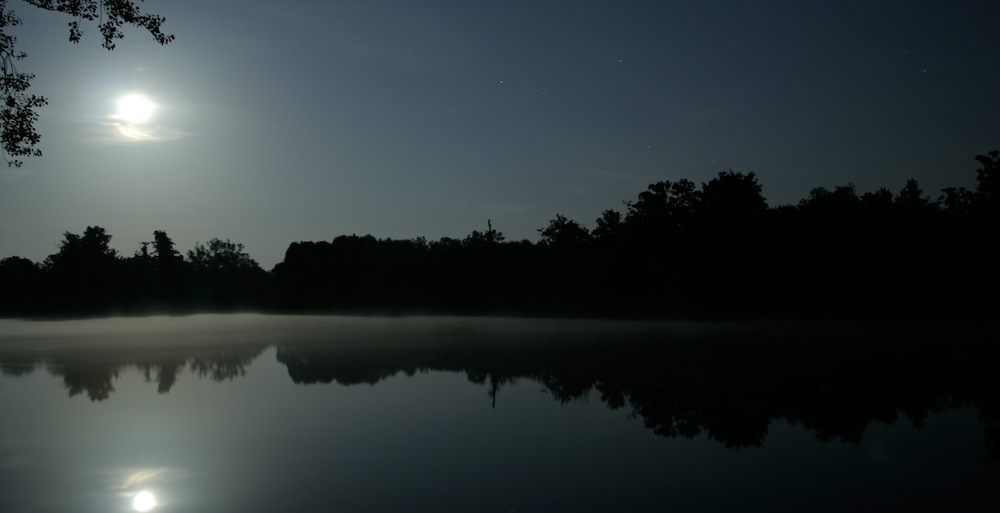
(268, 413)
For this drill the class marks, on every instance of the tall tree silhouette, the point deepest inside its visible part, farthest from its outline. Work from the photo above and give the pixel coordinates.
(663, 208)
(731, 197)
(609, 227)
(169, 268)
(727, 244)
(565, 234)
(82, 273)
(163, 249)
(20, 279)
(225, 276)
(986, 220)
(988, 176)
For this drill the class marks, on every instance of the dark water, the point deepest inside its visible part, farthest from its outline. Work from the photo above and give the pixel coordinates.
(255, 413)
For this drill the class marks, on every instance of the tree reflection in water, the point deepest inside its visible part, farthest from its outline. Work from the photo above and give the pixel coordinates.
(729, 383)
(96, 372)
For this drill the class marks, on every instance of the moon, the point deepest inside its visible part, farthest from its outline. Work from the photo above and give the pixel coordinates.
(135, 109)
(143, 501)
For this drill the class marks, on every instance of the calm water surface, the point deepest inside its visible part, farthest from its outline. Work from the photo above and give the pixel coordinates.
(255, 413)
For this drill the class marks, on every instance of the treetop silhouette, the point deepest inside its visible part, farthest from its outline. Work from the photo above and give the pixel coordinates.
(678, 251)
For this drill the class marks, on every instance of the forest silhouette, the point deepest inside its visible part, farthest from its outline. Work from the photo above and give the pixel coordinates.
(679, 250)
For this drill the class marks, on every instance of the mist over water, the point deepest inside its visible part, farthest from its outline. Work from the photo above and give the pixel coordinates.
(263, 413)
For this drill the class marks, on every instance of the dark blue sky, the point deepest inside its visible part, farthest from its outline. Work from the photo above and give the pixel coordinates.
(304, 120)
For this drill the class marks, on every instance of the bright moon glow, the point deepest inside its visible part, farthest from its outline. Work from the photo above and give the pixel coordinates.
(143, 501)
(135, 108)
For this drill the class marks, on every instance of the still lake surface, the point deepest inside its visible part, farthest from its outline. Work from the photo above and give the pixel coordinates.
(256, 413)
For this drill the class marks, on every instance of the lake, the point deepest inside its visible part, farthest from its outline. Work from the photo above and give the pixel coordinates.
(257, 413)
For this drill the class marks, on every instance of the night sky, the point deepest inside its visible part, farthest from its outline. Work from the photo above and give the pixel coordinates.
(303, 120)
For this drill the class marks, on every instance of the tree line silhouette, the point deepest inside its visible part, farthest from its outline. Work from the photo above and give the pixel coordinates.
(679, 250)
(87, 277)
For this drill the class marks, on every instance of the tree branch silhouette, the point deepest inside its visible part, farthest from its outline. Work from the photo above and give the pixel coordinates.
(18, 115)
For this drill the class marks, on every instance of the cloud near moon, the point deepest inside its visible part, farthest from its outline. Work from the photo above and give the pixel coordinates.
(134, 120)
(129, 480)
